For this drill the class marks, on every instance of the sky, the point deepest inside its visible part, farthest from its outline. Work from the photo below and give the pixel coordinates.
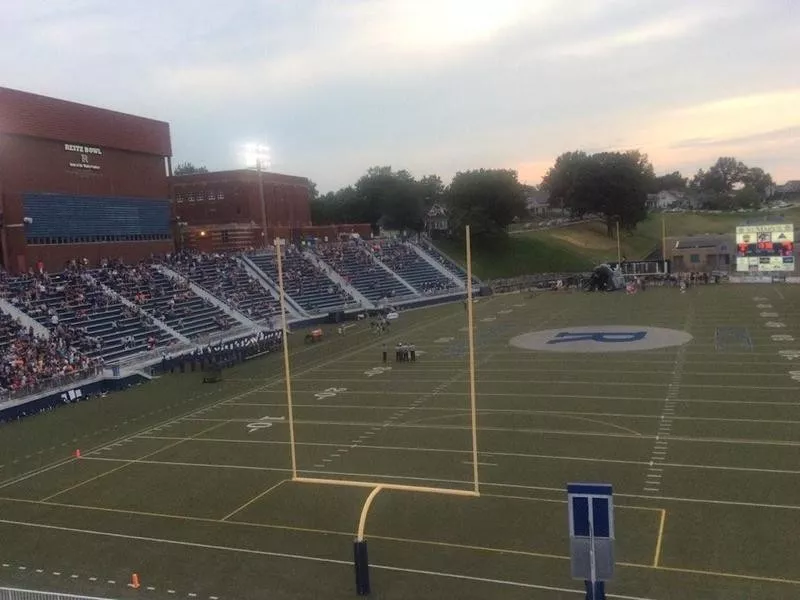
(431, 86)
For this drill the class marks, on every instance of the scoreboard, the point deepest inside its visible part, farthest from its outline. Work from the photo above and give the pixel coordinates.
(765, 248)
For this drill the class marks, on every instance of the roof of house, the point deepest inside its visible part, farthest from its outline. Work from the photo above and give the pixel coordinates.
(723, 242)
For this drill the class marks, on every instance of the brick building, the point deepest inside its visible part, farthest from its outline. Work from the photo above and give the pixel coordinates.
(222, 211)
(80, 181)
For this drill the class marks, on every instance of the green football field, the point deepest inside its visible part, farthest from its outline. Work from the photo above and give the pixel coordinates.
(190, 485)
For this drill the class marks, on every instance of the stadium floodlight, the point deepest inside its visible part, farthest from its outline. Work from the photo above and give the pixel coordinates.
(258, 156)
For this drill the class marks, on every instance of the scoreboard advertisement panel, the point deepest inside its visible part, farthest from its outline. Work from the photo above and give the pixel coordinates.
(765, 248)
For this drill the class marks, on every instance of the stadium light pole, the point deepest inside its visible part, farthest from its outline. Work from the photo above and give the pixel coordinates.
(258, 155)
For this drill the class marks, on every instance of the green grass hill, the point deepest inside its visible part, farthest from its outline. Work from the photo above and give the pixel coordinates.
(580, 246)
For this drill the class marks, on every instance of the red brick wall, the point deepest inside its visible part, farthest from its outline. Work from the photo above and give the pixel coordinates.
(38, 165)
(23, 113)
(286, 199)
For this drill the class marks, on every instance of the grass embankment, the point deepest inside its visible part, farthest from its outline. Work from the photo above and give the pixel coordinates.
(516, 255)
(581, 246)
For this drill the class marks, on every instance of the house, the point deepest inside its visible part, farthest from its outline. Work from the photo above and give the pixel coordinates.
(538, 205)
(701, 253)
(437, 222)
(665, 199)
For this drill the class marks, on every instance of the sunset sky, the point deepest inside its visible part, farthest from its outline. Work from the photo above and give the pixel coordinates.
(433, 86)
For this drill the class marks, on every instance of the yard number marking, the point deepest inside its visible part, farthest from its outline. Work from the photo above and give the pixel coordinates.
(774, 324)
(329, 393)
(790, 354)
(763, 305)
(771, 315)
(779, 337)
(262, 423)
(489, 319)
(760, 299)
(506, 311)
(443, 340)
(377, 371)
(795, 375)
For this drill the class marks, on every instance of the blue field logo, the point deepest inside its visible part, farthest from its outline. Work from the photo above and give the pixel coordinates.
(601, 338)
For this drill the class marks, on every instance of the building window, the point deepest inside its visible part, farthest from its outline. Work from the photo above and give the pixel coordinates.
(694, 258)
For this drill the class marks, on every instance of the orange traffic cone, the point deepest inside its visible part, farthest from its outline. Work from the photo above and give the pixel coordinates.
(134, 581)
(78, 453)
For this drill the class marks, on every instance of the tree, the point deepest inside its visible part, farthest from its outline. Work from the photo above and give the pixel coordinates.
(313, 192)
(561, 179)
(431, 190)
(391, 199)
(614, 184)
(723, 181)
(721, 177)
(747, 198)
(187, 168)
(487, 200)
(757, 179)
(670, 181)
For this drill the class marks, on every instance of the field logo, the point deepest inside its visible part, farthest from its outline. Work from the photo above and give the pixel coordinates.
(601, 338)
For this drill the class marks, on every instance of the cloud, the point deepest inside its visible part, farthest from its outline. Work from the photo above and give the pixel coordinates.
(335, 86)
(776, 135)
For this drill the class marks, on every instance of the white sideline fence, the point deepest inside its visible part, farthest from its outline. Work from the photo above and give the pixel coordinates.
(7, 593)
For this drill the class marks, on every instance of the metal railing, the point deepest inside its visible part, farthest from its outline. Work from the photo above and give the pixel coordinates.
(7, 593)
(49, 384)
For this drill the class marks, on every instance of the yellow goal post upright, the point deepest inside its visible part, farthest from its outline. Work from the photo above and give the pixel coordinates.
(360, 551)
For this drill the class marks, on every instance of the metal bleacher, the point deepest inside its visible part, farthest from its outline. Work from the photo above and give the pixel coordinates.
(223, 277)
(78, 304)
(402, 259)
(167, 300)
(352, 262)
(307, 285)
(447, 263)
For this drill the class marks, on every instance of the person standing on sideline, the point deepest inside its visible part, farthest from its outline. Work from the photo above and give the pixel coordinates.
(413, 349)
(385, 358)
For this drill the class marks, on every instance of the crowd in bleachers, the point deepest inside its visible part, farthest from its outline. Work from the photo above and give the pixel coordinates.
(29, 361)
(96, 315)
(303, 280)
(224, 277)
(350, 260)
(171, 301)
(403, 260)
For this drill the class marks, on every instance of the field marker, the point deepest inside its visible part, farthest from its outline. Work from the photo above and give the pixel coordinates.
(248, 503)
(485, 464)
(660, 539)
